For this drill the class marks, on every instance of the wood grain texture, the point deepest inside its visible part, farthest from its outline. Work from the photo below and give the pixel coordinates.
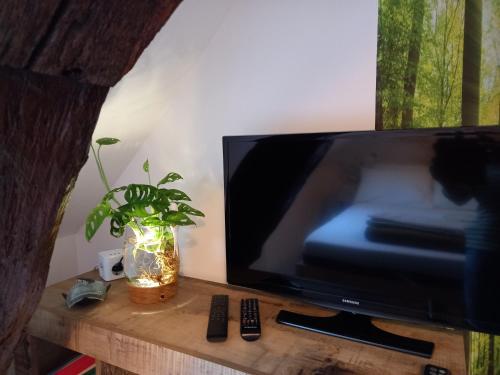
(151, 295)
(34, 356)
(23, 24)
(26, 360)
(57, 61)
(45, 131)
(103, 368)
(95, 42)
(170, 337)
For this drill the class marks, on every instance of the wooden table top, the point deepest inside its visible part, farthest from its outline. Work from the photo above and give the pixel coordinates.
(140, 337)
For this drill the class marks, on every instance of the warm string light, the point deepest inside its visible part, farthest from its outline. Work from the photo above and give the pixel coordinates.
(164, 265)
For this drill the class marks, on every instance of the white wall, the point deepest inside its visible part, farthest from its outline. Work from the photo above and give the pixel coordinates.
(136, 105)
(243, 67)
(64, 262)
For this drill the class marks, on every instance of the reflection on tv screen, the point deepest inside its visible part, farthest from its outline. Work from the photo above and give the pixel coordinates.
(402, 220)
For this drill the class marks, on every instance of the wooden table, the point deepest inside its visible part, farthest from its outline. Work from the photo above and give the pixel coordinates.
(169, 338)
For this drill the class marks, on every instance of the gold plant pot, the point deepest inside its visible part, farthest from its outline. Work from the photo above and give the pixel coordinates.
(152, 267)
(149, 295)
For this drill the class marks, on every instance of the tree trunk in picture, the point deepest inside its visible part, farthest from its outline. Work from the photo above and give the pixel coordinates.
(410, 79)
(57, 62)
(471, 62)
(491, 355)
(379, 109)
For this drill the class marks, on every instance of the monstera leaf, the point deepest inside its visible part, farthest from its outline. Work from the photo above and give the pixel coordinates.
(177, 218)
(171, 177)
(154, 221)
(187, 209)
(95, 219)
(174, 195)
(118, 222)
(110, 194)
(135, 210)
(140, 194)
(107, 141)
(161, 203)
(145, 205)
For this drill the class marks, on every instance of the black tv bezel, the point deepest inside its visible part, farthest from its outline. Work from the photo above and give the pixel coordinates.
(370, 307)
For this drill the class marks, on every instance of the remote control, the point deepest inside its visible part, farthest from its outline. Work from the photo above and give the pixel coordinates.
(434, 370)
(217, 320)
(250, 319)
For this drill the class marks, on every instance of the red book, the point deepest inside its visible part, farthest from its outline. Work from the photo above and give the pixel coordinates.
(81, 365)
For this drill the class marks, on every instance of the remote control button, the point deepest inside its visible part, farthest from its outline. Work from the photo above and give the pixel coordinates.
(250, 322)
(218, 318)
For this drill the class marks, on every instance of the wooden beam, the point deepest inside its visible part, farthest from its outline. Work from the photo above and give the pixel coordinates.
(58, 59)
(170, 337)
(45, 130)
(102, 368)
(96, 42)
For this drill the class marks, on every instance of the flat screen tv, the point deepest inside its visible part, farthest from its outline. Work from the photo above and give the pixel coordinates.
(395, 224)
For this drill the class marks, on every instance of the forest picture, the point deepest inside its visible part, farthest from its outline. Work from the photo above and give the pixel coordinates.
(438, 63)
(484, 354)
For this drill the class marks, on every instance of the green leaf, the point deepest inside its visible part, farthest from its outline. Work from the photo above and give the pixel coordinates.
(109, 195)
(145, 166)
(95, 219)
(187, 209)
(117, 223)
(134, 210)
(162, 199)
(177, 218)
(174, 194)
(107, 141)
(116, 230)
(171, 177)
(161, 204)
(153, 221)
(138, 193)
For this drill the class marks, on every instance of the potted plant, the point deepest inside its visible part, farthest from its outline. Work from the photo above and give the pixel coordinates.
(153, 213)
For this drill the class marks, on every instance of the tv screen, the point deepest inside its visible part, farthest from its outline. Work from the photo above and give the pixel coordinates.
(402, 224)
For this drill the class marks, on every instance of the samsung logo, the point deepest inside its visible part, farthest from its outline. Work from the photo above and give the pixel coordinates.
(350, 301)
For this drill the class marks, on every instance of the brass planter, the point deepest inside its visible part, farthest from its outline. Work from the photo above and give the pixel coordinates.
(152, 266)
(152, 294)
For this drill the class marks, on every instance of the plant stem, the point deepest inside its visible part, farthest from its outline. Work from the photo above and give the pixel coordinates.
(136, 227)
(101, 168)
(104, 179)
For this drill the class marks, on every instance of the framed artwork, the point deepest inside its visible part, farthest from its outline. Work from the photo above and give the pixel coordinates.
(438, 63)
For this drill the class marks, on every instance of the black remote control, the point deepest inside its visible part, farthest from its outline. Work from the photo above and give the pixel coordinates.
(218, 318)
(250, 319)
(434, 370)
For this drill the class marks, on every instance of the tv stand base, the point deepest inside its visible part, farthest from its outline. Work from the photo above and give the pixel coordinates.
(358, 328)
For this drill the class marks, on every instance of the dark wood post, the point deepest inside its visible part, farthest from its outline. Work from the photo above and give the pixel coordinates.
(58, 59)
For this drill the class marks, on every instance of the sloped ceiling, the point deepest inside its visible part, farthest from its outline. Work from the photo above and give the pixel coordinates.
(137, 104)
